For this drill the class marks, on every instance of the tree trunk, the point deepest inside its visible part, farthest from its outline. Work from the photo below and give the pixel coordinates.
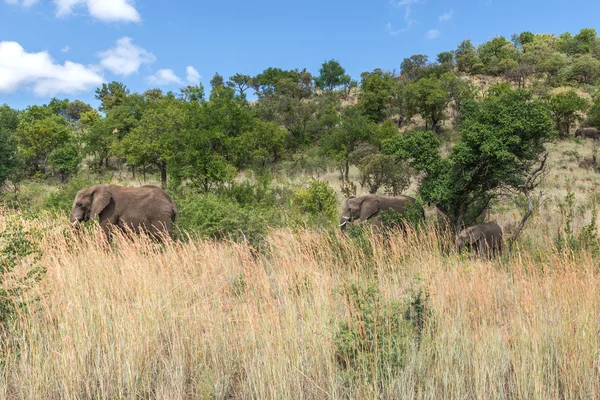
(347, 172)
(133, 170)
(163, 175)
(144, 172)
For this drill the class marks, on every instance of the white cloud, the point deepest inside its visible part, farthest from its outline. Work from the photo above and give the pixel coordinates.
(24, 3)
(447, 16)
(407, 5)
(39, 73)
(193, 76)
(104, 10)
(126, 58)
(164, 77)
(432, 34)
(65, 49)
(393, 32)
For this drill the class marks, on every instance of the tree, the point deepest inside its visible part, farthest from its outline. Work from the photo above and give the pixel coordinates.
(522, 40)
(332, 75)
(217, 81)
(111, 95)
(38, 134)
(65, 160)
(520, 73)
(376, 91)
(429, 97)
(341, 141)
(412, 67)
(9, 162)
(497, 55)
(566, 108)
(152, 140)
(446, 59)
(585, 69)
(377, 170)
(466, 57)
(240, 83)
(594, 113)
(501, 139)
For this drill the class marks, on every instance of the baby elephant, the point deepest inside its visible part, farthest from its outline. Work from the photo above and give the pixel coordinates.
(146, 209)
(484, 239)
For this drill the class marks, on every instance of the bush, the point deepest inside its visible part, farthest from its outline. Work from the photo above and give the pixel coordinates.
(16, 247)
(218, 216)
(374, 340)
(319, 201)
(62, 199)
(392, 219)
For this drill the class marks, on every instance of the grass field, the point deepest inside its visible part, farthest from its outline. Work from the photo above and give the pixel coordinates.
(314, 315)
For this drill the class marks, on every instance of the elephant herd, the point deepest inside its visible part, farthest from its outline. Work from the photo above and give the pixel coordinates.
(484, 239)
(151, 210)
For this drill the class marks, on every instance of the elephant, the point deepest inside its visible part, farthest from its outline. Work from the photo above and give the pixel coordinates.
(367, 208)
(484, 239)
(146, 209)
(588, 133)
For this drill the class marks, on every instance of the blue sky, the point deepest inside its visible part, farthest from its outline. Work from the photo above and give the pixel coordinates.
(66, 48)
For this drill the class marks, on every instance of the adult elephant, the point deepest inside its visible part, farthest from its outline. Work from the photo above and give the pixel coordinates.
(483, 239)
(368, 208)
(146, 209)
(588, 133)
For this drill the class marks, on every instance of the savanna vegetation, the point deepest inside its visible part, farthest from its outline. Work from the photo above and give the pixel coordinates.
(259, 296)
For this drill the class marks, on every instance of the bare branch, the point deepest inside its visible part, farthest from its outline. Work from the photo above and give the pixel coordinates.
(534, 179)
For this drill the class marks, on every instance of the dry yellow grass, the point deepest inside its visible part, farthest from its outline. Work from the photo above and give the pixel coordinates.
(202, 320)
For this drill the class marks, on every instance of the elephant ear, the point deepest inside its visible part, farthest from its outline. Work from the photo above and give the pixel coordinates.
(368, 208)
(474, 234)
(101, 197)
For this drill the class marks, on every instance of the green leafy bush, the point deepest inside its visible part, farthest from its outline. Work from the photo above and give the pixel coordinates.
(318, 201)
(376, 336)
(16, 247)
(62, 199)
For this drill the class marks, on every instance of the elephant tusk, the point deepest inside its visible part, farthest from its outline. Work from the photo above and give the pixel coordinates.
(346, 218)
(343, 224)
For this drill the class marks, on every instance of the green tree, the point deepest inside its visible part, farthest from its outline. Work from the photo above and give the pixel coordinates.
(377, 170)
(240, 83)
(331, 75)
(376, 92)
(38, 134)
(466, 57)
(65, 160)
(412, 68)
(152, 140)
(566, 108)
(497, 55)
(594, 113)
(446, 59)
(501, 139)
(9, 162)
(430, 97)
(217, 81)
(111, 95)
(585, 69)
(341, 141)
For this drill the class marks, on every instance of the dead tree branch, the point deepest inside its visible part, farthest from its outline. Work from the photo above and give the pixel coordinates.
(534, 179)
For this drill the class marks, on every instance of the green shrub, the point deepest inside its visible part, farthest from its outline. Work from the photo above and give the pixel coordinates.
(318, 201)
(218, 216)
(17, 246)
(62, 199)
(392, 219)
(375, 338)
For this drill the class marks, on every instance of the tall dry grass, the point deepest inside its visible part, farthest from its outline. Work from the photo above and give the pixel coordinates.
(201, 319)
